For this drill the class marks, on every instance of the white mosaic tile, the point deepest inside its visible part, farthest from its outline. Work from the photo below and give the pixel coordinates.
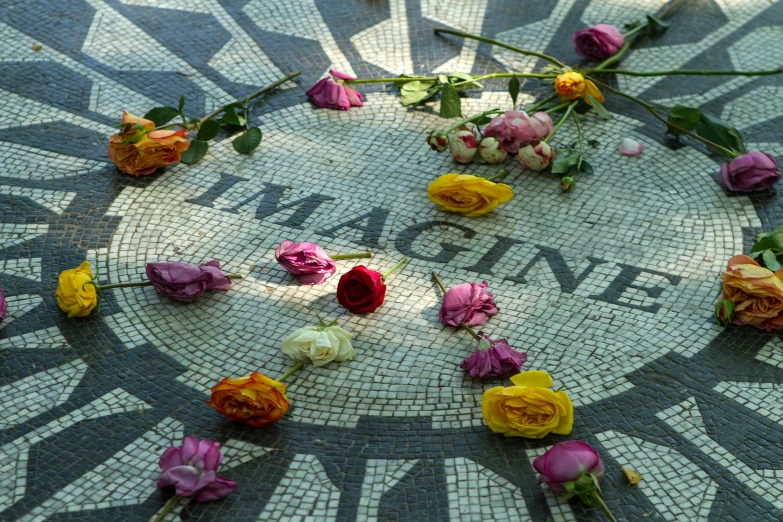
(54, 200)
(387, 44)
(763, 398)
(678, 489)
(772, 352)
(477, 494)
(237, 452)
(18, 305)
(379, 477)
(47, 339)
(23, 162)
(17, 111)
(13, 233)
(27, 268)
(305, 494)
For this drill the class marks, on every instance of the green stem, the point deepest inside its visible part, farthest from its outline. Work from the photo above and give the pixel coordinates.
(598, 499)
(295, 368)
(395, 267)
(457, 84)
(579, 133)
(499, 175)
(562, 119)
(634, 31)
(474, 118)
(652, 111)
(689, 72)
(254, 95)
(440, 283)
(546, 57)
(469, 330)
(613, 59)
(540, 104)
(99, 288)
(352, 256)
(170, 504)
(558, 107)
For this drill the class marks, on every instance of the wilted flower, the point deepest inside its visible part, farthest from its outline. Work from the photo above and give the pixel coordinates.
(468, 303)
(319, 345)
(630, 147)
(756, 293)
(139, 150)
(493, 359)
(751, 172)
(438, 141)
(333, 93)
(74, 295)
(463, 146)
(515, 128)
(536, 156)
(598, 42)
(185, 282)
(570, 86)
(492, 151)
(309, 262)
(192, 469)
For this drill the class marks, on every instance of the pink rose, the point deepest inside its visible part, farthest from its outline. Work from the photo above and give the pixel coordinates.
(750, 173)
(493, 359)
(567, 462)
(515, 128)
(192, 469)
(332, 94)
(598, 42)
(468, 303)
(307, 261)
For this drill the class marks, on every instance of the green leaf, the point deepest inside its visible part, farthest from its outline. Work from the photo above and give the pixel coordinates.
(585, 167)
(443, 79)
(685, 117)
(769, 241)
(564, 160)
(181, 102)
(770, 260)
(232, 118)
(483, 120)
(161, 115)
(416, 85)
(593, 143)
(450, 104)
(513, 89)
(599, 108)
(195, 152)
(248, 141)
(655, 25)
(718, 132)
(412, 97)
(208, 130)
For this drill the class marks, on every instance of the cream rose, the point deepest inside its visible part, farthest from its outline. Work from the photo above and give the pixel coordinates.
(319, 345)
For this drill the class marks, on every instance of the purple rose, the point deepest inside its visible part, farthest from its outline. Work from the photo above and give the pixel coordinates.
(566, 462)
(185, 282)
(468, 303)
(750, 173)
(3, 307)
(493, 359)
(307, 261)
(516, 128)
(192, 468)
(332, 94)
(598, 42)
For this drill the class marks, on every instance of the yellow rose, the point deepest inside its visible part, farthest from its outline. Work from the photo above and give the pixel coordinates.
(529, 408)
(572, 85)
(75, 297)
(469, 195)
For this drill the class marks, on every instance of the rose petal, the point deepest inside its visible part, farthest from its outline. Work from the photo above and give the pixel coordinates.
(630, 147)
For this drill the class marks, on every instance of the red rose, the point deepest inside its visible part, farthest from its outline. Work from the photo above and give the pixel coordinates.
(361, 290)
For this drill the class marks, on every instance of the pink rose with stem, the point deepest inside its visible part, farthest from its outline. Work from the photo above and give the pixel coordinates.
(515, 128)
(467, 303)
(309, 262)
(598, 42)
(750, 172)
(334, 93)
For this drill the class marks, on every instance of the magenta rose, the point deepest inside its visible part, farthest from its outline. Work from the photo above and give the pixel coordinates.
(185, 282)
(493, 359)
(468, 303)
(751, 172)
(335, 94)
(307, 261)
(598, 42)
(567, 462)
(192, 469)
(515, 128)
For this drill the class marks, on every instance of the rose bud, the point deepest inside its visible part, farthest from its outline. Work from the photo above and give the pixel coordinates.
(361, 290)
(185, 282)
(192, 469)
(468, 303)
(630, 147)
(724, 312)
(438, 141)
(749, 173)
(463, 146)
(568, 462)
(598, 42)
(307, 261)
(536, 156)
(255, 400)
(333, 93)
(567, 183)
(492, 151)
(493, 359)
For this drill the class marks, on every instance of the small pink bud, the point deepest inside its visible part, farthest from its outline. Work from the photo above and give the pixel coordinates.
(463, 146)
(492, 151)
(536, 156)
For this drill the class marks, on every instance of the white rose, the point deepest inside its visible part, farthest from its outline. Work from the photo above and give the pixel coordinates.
(319, 345)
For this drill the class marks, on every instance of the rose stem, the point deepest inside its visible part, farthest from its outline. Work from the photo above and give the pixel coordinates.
(541, 103)
(469, 330)
(499, 175)
(601, 504)
(440, 283)
(474, 118)
(652, 110)
(501, 44)
(352, 256)
(395, 267)
(560, 122)
(295, 368)
(170, 504)
(579, 132)
(690, 72)
(254, 95)
(558, 107)
(456, 84)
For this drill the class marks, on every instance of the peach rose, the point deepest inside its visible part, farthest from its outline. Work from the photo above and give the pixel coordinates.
(139, 150)
(256, 400)
(757, 293)
(571, 85)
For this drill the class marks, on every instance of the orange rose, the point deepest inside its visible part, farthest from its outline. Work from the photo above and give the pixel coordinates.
(139, 150)
(256, 400)
(572, 85)
(757, 293)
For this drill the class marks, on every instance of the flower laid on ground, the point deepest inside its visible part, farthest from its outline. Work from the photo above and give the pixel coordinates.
(536, 156)
(573, 469)
(571, 86)
(361, 290)
(255, 400)
(515, 128)
(333, 93)
(752, 295)
(493, 359)
(598, 42)
(192, 470)
(492, 151)
(138, 149)
(529, 408)
(74, 296)
(463, 146)
(630, 147)
(468, 303)
(185, 282)
(309, 262)
(3, 306)
(438, 141)
(750, 172)
(567, 183)
(467, 194)
(319, 345)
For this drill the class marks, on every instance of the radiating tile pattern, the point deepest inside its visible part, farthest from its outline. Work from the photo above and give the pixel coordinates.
(609, 288)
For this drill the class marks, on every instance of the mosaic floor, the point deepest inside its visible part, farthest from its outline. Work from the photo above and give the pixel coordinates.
(619, 276)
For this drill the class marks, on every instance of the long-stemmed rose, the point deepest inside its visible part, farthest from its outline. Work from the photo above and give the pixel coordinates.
(309, 262)
(362, 290)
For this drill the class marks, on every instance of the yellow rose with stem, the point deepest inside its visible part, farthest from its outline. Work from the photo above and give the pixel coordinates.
(469, 195)
(74, 295)
(570, 86)
(529, 408)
